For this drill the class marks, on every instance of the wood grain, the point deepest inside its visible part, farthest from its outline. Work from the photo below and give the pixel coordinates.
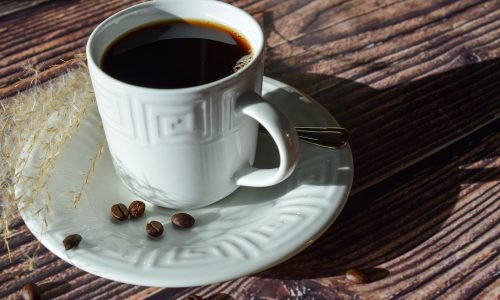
(415, 82)
(12, 6)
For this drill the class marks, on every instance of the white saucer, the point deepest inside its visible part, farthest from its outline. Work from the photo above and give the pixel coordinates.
(249, 231)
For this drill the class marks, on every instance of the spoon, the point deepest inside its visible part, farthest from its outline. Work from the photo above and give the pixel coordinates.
(325, 137)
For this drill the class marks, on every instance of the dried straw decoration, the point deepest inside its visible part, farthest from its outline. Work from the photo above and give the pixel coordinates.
(47, 114)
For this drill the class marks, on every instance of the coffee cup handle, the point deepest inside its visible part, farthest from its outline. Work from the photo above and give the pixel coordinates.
(281, 130)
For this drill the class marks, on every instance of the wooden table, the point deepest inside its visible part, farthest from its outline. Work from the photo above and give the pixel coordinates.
(416, 82)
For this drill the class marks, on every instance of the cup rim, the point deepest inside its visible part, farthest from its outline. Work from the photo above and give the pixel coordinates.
(197, 88)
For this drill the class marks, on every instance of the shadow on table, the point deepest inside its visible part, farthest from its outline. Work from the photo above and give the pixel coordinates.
(395, 216)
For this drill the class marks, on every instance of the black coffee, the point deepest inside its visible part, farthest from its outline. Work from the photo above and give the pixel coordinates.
(176, 54)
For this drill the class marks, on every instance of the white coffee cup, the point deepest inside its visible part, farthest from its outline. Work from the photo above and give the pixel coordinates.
(189, 147)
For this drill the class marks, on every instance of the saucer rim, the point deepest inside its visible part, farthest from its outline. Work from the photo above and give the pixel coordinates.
(258, 264)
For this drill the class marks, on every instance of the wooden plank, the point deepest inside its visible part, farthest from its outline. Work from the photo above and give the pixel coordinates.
(364, 60)
(10, 7)
(381, 51)
(424, 116)
(63, 34)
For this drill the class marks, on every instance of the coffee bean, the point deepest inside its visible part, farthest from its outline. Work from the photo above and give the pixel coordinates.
(193, 297)
(154, 228)
(71, 241)
(136, 209)
(30, 291)
(119, 211)
(355, 275)
(182, 220)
